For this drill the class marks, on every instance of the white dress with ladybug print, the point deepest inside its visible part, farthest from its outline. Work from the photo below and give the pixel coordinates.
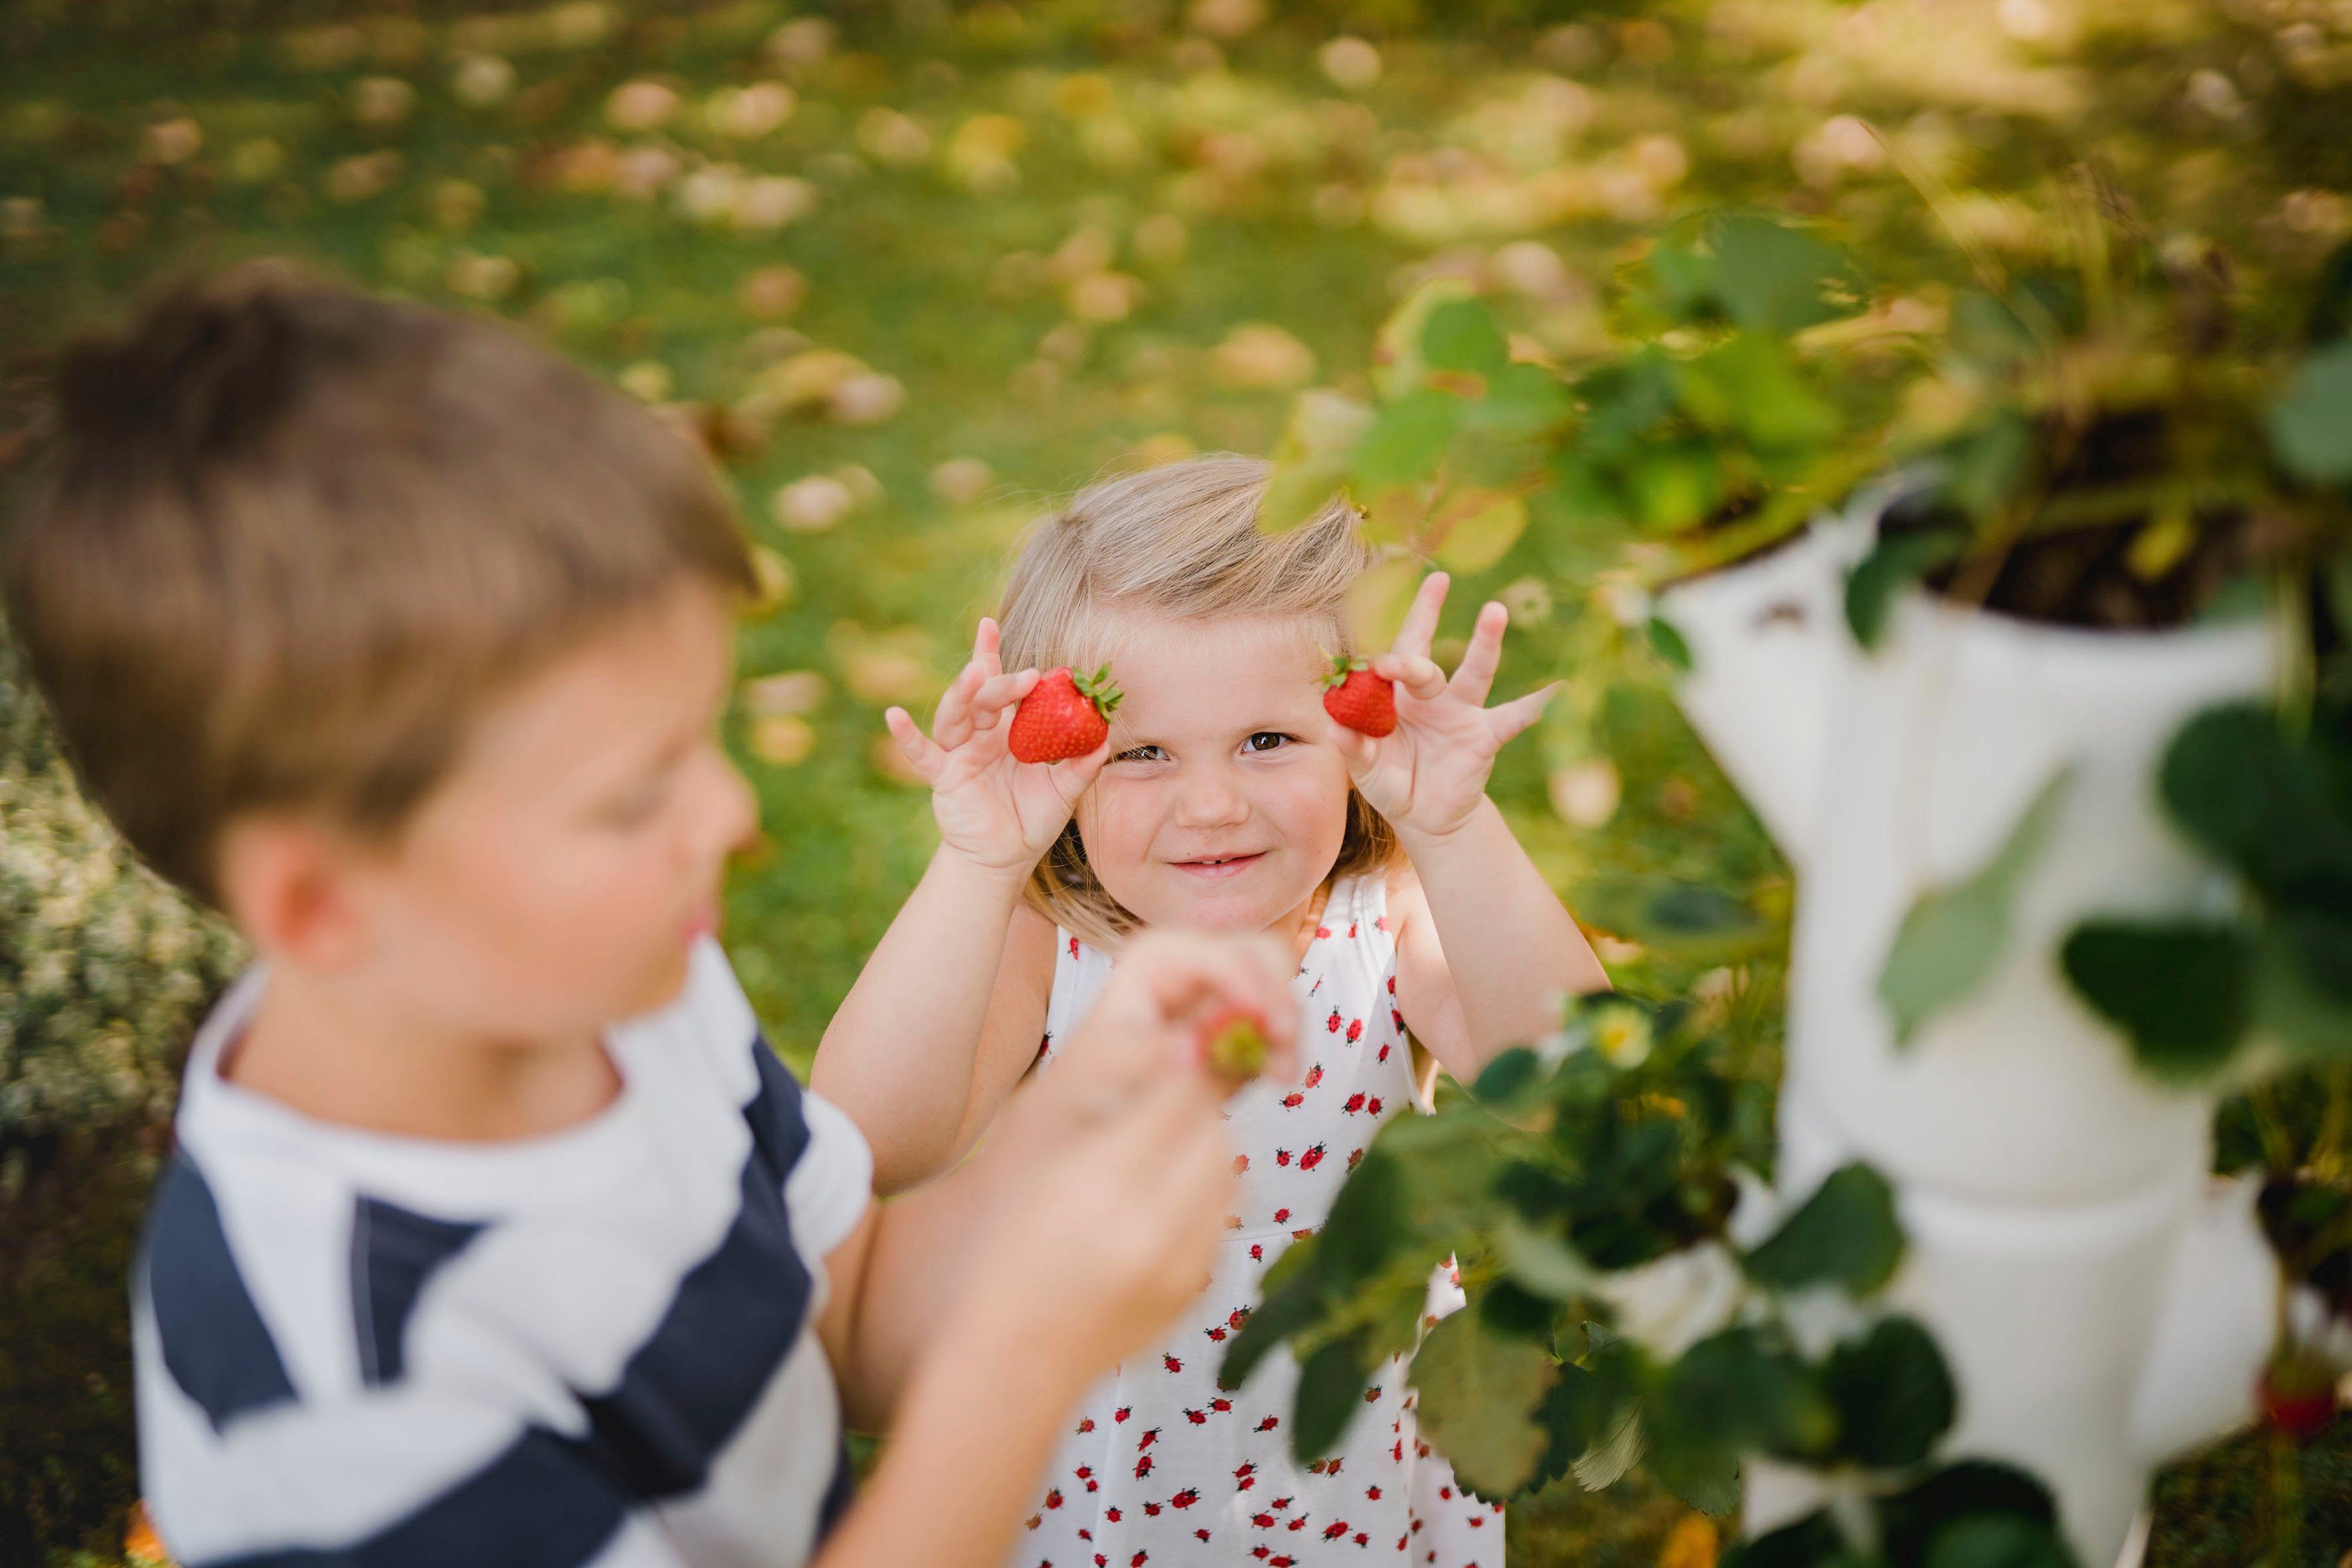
(1162, 1467)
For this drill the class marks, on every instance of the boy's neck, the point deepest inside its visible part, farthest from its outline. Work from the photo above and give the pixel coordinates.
(318, 1052)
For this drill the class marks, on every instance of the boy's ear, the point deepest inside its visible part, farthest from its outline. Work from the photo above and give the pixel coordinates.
(288, 884)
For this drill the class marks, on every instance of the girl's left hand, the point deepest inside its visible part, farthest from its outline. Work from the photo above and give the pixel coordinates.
(1429, 775)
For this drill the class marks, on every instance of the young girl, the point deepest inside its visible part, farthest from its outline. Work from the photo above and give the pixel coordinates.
(1225, 799)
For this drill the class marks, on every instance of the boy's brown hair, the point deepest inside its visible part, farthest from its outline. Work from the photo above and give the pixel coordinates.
(284, 542)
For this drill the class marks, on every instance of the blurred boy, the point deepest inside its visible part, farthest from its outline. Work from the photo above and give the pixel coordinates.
(496, 1234)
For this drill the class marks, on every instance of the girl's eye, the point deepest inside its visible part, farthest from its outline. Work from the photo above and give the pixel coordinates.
(1140, 754)
(1265, 741)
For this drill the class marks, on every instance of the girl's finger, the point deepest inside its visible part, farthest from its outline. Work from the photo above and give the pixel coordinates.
(1512, 719)
(1356, 749)
(1420, 626)
(951, 724)
(1419, 676)
(985, 646)
(1476, 676)
(997, 692)
(921, 752)
(1072, 776)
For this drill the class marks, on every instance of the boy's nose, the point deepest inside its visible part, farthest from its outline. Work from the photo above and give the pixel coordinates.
(731, 816)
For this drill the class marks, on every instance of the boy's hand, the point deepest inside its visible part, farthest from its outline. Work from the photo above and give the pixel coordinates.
(997, 811)
(1153, 1019)
(1113, 1233)
(1429, 775)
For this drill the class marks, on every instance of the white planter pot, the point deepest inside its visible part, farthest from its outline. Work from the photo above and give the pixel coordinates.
(2046, 1186)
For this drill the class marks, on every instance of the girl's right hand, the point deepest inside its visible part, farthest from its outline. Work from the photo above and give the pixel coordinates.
(995, 810)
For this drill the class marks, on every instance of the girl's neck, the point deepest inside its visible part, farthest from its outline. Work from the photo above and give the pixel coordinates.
(1299, 925)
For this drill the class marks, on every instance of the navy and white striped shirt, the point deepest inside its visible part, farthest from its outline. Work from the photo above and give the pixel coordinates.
(596, 1347)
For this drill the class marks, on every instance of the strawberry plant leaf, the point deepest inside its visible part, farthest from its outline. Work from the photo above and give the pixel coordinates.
(1483, 533)
(1954, 936)
(1462, 335)
(1845, 1235)
(1813, 1542)
(1330, 1391)
(1479, 1389)
(1916, 1516)
(1998, 1543)
(1894, 1394)
(1893, 565)
(2242, 789)
(1775, 278)
(1312, 459)
(1407, 439)
(2311, 424)
(2181, 992)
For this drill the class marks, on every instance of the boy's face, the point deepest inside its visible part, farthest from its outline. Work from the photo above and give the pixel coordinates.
(1224, 803)
(556, 879)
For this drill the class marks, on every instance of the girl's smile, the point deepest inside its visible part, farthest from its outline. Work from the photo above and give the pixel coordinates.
(1223, 805)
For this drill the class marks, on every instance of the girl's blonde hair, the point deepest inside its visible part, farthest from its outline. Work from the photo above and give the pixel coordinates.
(1179, 540)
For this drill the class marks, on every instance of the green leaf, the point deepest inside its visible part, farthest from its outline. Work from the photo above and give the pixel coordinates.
(1312, 459)
(1479, 1390)
(1986, 464)
(1668, 643)
(1813, 1542)
(1953, 938)
(1331, 1385)
(1676, 486)
(1287, 1308)
(2291, 1008)
(1478, 541)
(1398, 366)
(1365, 1221)
(2181, 992)
(1910, 1520)
(1893, 565)
(1737, 1390)
(1578, 1411)
(1845, 1235)
(1690, 920)
(1894, 1394)
(1522, 401)
(1407, 439)
(2311, 426)
(1540, 1262)
(1706, 1478)
(2240, 788)
(1773, 277)
(1462, 335)
(1500, 1081)
(2000, 1542)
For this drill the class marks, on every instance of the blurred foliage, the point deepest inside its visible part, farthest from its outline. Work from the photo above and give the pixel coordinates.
(908, 269)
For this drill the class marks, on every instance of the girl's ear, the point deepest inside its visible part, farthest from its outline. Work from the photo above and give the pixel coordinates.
(288, 885)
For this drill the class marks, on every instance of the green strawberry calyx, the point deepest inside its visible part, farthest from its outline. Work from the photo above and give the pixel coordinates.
(1343, 666)
(1097, 690)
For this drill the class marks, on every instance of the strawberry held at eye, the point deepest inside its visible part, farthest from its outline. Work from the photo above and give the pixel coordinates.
(1357, 698)
(1064, 715)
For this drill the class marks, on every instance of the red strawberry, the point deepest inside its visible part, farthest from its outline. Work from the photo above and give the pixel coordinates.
(1064, 715)
(1359, 698)
(2297, 1394)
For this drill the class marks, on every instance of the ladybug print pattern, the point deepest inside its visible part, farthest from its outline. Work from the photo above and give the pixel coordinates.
(1161, 1467)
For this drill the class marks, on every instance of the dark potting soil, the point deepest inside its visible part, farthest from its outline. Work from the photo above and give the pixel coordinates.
(2084, 576)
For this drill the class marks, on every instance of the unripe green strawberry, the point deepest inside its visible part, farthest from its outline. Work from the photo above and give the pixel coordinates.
(1233, 1043)
(1359, 698)
(1063, 716)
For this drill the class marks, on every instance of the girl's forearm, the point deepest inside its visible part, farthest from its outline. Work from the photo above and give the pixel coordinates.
(899, 1055)
(1510, 945)
(973, 1435)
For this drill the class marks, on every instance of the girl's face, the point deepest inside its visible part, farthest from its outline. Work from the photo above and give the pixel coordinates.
(1224, 803)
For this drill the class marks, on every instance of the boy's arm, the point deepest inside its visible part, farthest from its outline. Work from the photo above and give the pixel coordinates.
(1484, 948)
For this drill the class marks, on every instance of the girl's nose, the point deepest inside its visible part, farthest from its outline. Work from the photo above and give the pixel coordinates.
(1208, 798)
